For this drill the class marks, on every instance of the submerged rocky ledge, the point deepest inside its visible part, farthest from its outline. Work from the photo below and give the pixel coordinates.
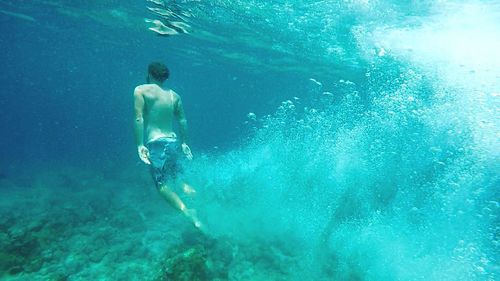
(59, 228)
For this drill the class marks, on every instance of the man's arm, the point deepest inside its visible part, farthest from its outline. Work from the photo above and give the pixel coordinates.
(139, 125)
(181, 117)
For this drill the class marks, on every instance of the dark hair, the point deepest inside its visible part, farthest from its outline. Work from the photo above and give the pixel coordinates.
(159, 71)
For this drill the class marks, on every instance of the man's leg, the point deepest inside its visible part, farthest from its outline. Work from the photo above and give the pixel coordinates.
(173, 199)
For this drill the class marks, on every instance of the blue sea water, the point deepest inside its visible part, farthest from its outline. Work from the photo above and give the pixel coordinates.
(333, 140)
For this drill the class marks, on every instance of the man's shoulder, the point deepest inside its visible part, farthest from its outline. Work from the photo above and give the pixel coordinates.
(142, 88)
(175, 95)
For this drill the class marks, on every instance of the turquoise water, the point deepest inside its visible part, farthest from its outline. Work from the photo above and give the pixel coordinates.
(333, 140)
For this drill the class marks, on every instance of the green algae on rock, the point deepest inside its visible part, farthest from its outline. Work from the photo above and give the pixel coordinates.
(185, 264)
(223, 259)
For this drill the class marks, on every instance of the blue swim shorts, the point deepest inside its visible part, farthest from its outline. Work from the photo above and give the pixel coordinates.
(164, 156)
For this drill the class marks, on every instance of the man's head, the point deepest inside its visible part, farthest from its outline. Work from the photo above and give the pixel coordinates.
(158, 71)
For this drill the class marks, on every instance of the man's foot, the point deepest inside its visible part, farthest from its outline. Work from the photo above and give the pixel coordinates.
(189, 190)
(191, 214)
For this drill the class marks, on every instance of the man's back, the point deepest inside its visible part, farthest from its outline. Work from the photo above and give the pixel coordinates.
(159, 110)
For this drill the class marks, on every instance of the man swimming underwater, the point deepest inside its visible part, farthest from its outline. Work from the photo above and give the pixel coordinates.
(156, 107)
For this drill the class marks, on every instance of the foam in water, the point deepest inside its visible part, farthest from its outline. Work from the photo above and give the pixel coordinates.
(393, 188)
(394, 178)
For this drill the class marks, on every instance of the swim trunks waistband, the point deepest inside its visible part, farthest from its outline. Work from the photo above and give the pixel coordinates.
(163, 139)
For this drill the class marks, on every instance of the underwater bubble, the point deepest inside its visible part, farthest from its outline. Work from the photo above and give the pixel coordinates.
(316, 82)
(160, 28)
(347, 82)
(494, 203)
(252, 116)
(161, 12)
(157, 2)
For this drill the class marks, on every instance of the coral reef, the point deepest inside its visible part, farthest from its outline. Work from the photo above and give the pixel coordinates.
(73, 225)
(200, 258)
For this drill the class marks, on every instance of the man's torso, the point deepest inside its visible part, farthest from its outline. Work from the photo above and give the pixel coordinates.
(159, 111)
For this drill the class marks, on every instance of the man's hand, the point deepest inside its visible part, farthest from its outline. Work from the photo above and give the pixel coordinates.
(187, 151)
(144, 154)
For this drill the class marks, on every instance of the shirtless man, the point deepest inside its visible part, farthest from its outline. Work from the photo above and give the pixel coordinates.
(156, 108)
